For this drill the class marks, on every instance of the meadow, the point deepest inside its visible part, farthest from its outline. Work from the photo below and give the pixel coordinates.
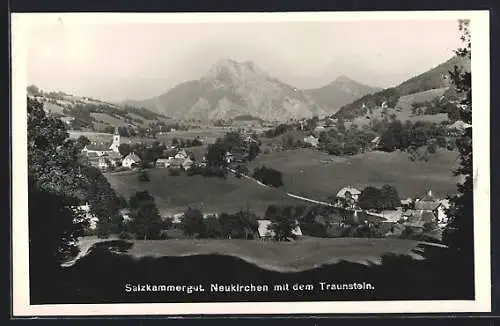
(308, 172)
(173, 194)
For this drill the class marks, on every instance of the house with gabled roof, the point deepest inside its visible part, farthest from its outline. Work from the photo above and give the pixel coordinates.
(99, 149)
(131, 160)
(181, 154)
(187, 164)
(311, 140)
(265, 233)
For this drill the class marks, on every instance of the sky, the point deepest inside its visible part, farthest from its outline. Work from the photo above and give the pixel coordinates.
(115, 62)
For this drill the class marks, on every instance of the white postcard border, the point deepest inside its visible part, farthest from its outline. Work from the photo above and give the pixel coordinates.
(481, 149)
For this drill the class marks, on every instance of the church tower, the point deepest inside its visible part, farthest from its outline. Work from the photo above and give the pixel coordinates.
(116, 141)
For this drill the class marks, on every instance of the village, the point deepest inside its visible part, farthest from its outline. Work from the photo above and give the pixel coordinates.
(425, 213)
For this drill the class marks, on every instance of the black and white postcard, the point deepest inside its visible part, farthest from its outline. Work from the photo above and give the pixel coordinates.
(250, 163)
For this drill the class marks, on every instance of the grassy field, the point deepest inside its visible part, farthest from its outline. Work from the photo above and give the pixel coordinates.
(311, 173)
(114, 122)
(305, 254)
(208, 135)
(175, 194)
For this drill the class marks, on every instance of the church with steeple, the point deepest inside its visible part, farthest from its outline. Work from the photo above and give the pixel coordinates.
(116, 142)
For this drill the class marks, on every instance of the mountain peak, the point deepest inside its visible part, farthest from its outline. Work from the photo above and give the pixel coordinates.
(343, 79)
(229, 69)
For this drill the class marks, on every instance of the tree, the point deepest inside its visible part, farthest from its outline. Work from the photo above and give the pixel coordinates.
(371, 198)
(55, 186)
(253, 151)
(459, 233)
(146, 221)
(192, 222)
(240, 225)
(82, 141)
(33, 90)
(103, 201)
(283, 224)
(213, 228)
(124, 149)
(216, 155)
(390, 197)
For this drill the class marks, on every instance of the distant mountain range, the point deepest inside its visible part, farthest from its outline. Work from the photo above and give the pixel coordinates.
(232, 89)
(340, 92)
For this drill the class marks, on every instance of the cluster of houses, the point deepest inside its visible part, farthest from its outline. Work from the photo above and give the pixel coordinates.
(180, 160)
(104, 156)
(412, 212)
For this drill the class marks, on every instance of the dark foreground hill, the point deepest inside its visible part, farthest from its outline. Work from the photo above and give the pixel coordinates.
(106, 274)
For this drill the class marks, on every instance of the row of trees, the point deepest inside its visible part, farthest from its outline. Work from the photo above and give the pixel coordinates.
(183, 143)
(413, 135)
(346, 141)
(240, 225)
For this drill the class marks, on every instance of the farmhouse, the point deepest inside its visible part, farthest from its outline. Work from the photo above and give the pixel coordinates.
(349, 192)
(181, 154)
(176, 163)
(249, 140)
(265, 233)
(125, 214)
(229, 157)
(103, 163)
(114, 158)
(375, 143)
(458, 127)
(311, 140)
(187, 164)
(162, 163)
(95, 149)
(131, 160)
(67, 120)
(429, 209)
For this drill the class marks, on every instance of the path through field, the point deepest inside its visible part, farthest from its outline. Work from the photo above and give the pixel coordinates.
(288, 194)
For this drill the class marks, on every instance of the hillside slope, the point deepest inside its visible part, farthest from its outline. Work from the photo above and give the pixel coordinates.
(435, 78)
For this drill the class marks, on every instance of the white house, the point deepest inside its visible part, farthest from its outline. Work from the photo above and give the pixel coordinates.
(103, 163)
(114, 158)
(347, 192)
(97, 149)
(181, 154)
(229, 157)
(130, 160)
(265, 232)
(162, 163)
(187, 164)
(313, 141)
